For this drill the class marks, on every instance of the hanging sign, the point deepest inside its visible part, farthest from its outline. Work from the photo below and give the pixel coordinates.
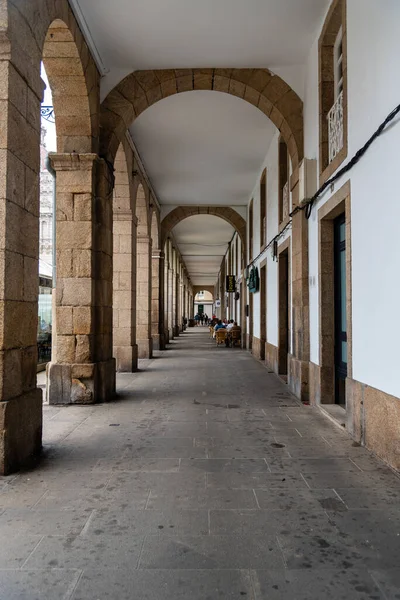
(230, 284)
(217, 303)
(254, 280)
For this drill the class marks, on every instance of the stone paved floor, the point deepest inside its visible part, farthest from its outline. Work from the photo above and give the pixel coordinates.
(205, 480)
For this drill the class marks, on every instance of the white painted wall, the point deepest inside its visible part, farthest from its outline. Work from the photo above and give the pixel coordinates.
(373, 91)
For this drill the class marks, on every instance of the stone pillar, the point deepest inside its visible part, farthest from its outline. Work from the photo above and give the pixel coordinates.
(20, 399)
(166, 300)
(125, 349)
(176, 288)
(143, 306)
(298, 363)
(171, 278)
(83, 370)
(157, 305)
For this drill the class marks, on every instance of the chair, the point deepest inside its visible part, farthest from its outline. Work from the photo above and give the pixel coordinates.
(220, 336)
(236, 337)
(211, 328)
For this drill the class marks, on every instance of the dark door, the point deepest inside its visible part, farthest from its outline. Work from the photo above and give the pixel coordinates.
(263, 311)
(283, 268)
(340, 311)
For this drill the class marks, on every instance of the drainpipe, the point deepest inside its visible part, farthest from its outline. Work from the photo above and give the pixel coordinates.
(53, 174)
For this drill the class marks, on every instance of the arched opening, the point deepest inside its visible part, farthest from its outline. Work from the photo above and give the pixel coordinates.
(204, 236)
(261, 88)
(143, 274)
(124, 266)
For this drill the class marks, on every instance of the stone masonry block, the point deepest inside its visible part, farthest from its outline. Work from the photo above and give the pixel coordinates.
(74, 292)
(64, 320)
(83, 351)
(83, 207)
(82, 320)
(66, 349)
(74, 234)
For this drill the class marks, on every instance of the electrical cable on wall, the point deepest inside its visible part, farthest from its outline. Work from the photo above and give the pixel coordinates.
(308, 203)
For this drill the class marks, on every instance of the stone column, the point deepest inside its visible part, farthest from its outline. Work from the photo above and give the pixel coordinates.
(171, 278)
(20, 399)
(157, 304)
(166, 300)
(124, 292)
(143, 306)
(298, 360)
(83, 370)
(175, 284)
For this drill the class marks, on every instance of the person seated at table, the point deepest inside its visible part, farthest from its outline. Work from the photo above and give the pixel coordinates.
(219, 325)
(235, 327)
(230, 325)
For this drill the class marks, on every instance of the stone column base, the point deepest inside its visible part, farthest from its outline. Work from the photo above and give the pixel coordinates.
(145, 348)
(126, 358)
(175, 331)
(163, 342)
(20, 431)
(271, 357)
(88, 383)
(156, 341)
(298, 378)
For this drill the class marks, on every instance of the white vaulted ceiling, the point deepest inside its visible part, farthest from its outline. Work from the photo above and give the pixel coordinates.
(202, 147)
(168, 34)
(203, 241)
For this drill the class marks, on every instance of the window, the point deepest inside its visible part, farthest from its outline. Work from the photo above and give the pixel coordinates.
(283, 182)
(333, 90)
(263, 209)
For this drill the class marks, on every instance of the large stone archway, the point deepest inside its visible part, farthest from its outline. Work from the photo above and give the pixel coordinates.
(139, 90)
(224, 212)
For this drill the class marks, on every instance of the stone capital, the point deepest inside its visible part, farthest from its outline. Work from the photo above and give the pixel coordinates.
(73, 161)
(157, 254)
(144, 239)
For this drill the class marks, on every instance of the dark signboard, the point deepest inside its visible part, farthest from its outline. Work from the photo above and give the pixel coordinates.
(231, 284)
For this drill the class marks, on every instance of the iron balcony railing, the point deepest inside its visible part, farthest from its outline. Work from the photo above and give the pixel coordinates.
(335, 127)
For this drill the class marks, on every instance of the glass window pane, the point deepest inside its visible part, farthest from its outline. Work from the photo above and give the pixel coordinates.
(343, 290)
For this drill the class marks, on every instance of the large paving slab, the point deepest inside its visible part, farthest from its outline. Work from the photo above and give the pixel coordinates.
(204, 479)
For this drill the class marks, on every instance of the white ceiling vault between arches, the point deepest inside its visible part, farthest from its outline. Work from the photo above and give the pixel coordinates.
(203, 147)
(203, 241)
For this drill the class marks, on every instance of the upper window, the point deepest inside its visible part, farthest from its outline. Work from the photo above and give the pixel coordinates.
(333, 90)
(263, 209)
(283, 182)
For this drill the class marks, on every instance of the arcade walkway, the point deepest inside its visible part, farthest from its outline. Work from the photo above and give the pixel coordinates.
(205, 480)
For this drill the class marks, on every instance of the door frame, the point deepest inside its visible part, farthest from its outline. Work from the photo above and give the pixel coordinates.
(339, 203)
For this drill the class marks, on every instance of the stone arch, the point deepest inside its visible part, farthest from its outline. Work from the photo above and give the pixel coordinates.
(122, 196)
(155, 228)
(265, 90)
(207, 288)
(39, 30)
(224, 212)
(142, 210)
